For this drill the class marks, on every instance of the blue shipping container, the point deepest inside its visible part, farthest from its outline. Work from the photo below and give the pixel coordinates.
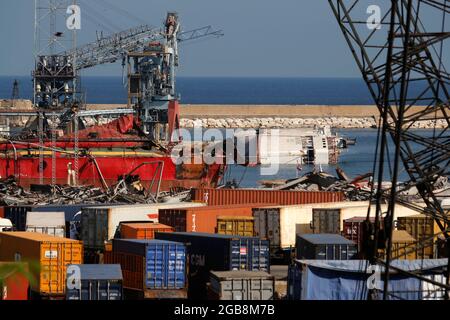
(165, 262)
(214, 252)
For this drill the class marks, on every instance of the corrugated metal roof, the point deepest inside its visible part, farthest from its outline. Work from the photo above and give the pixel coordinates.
(147, 241)
(360, 266)
(212, 235)
(100, 271)
(325, 238)
(241, 274)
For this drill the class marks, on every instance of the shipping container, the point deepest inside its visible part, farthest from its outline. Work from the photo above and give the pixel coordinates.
(218, 252)
(215, 197)
(241, 285)
(18, 216)
(404, 246)
(354, 230)
(142, 230)
(51, 223)
(53, 254)
(347, 280)
(156, 269)
(238, 226)
(326, 221)
(72, 214)
(97, 282)
(280, 225)
(325, 247)
(347, 209)
(201, 219)
(14, 284)
(100, 224)
(422, 228)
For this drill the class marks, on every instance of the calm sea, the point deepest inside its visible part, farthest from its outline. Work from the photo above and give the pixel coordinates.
(333, 91)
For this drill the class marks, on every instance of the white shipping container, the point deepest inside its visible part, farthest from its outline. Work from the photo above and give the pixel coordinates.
(51, 223)
(99, 224)
(297, 219)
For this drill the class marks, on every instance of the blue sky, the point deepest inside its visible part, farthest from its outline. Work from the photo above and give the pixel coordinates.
(286, 38)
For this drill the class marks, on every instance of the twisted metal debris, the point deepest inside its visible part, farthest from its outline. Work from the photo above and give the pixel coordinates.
(11, 194)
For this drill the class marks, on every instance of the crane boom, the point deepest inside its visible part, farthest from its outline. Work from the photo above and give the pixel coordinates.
(115, 47)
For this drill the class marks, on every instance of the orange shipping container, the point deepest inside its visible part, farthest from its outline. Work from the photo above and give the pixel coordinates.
(142, 230)
(202, 219)
(215, 197)
(53, 254)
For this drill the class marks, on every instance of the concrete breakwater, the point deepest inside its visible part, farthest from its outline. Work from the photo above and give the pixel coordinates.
(256, 116)
(333, 122)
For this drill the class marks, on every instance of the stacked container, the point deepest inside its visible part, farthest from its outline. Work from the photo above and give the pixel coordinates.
(214, 252)
(142, 230)
(100, 224)
(403, 246)
(51, 223)
(280, 225)
(18, 216)
(214, 197)
(325, 247)
(238, 226)
(202, 219)
(152, 269)
(354, 230)
(326, 221)
(241, 285)
(52, 254)
(96, 282)
(423, 229)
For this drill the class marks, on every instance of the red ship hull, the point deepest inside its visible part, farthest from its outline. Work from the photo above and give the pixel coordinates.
(26, 171)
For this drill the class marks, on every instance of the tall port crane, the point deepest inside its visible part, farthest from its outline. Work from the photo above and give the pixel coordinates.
(402, 56)
(56, 75)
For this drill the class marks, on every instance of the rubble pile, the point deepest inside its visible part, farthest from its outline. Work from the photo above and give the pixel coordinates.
(355, 190)
(11, 194)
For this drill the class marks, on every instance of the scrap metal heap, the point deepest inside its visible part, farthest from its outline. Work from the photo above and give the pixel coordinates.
(126, 191)
(404, 59)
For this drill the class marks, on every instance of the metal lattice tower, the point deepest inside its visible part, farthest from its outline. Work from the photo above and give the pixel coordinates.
(404, 61)
(54, 77)
(54, 74)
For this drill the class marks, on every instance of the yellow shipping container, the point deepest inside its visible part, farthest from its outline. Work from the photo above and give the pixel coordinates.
(422, 228)
(53, 254)
(238, 226)
(404, 246)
